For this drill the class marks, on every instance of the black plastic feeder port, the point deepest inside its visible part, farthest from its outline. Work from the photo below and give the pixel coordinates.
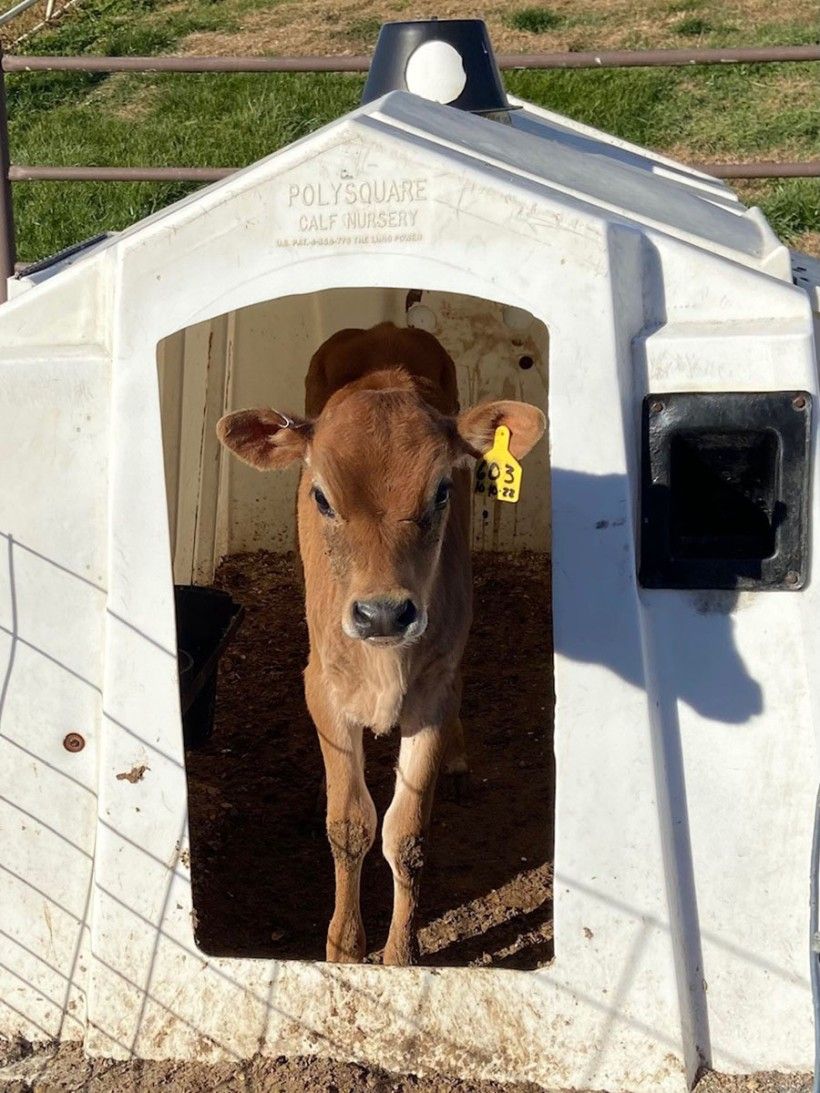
(206, 621)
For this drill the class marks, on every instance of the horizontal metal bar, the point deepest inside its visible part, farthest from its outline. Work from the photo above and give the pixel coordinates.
(811, 169)
(21, 173)
(617, 58)
(652, 58)
(89, 63)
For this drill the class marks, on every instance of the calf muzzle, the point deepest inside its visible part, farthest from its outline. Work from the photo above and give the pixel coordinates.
(383, 618)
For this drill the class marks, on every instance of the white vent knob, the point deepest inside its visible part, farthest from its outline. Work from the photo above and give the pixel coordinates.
(435, 71)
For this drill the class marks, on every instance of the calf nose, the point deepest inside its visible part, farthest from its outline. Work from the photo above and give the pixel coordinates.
(383, 618)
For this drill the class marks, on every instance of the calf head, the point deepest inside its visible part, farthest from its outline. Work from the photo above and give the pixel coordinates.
(380, 464)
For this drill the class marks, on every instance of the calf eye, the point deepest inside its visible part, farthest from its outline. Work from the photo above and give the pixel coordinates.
(322, 503)
(443, 494)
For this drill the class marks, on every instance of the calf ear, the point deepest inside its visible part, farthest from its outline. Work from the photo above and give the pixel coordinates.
(264, 438)
(526, 423)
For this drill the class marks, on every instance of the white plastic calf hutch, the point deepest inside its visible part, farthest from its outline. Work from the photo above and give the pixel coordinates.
(685, 719)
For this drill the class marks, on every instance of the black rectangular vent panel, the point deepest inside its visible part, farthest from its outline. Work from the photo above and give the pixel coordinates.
(725, 490)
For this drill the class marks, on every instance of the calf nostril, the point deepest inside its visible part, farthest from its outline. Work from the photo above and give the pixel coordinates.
(407, 614)
(363, 615)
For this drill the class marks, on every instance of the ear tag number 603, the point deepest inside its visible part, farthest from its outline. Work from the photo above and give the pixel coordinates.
(499, 473)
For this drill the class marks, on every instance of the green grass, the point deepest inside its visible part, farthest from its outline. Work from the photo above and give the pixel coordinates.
(534, 20)
(118, 27)
(760, 111)
(366, 28)
(792, 206)
(679, 6)
(694, 27)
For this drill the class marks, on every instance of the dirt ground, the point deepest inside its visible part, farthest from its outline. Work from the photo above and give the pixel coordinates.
(64, 1069)
(262, 871)
(49, 1069)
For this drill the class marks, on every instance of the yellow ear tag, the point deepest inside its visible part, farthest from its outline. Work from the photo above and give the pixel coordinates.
(499, 473)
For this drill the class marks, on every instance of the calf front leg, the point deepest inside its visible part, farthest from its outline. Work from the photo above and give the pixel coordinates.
(351, 820)
(404, 834)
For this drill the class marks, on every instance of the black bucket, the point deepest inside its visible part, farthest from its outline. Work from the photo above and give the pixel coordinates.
(446, 60)
(206, 621)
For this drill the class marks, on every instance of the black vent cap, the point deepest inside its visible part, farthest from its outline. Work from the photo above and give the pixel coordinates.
(444, 60)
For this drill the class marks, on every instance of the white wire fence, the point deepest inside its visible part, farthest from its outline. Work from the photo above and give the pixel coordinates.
(48, 11)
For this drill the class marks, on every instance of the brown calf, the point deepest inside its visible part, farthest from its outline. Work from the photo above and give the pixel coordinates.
(383, 518)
